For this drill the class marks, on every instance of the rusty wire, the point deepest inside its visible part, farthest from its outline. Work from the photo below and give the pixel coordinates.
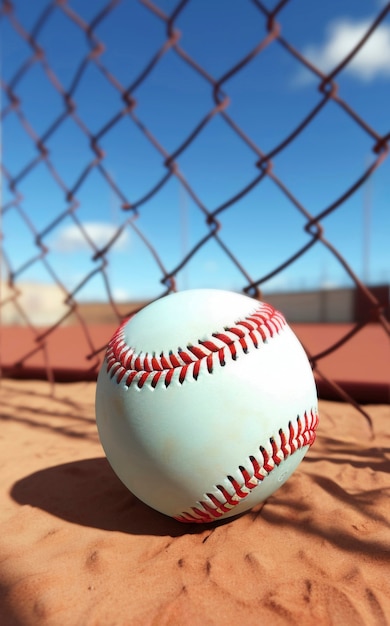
(271, 23)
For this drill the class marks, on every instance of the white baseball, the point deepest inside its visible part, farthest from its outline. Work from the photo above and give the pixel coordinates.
(205, 404)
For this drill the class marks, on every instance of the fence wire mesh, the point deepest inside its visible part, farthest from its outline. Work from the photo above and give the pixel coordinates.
(120, 98)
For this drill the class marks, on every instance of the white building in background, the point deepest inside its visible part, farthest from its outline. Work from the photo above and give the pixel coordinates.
(322, 306)
(331, 306)
(41, 304)
(44, 304)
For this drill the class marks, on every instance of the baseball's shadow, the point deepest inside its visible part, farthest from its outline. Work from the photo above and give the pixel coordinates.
(87, 492)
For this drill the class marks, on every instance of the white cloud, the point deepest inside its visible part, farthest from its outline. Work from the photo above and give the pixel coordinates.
(342, 35)
(121, 295)
(71, 238)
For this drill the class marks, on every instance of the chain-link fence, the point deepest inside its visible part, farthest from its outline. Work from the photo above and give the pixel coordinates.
(65, 81)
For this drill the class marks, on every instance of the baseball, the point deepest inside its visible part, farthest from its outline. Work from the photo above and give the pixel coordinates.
(205, 404)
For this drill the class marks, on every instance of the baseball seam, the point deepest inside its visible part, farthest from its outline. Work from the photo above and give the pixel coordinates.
(138, 368)
(226, 497)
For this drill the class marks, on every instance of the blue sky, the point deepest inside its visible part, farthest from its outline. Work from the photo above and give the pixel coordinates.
(268, 98)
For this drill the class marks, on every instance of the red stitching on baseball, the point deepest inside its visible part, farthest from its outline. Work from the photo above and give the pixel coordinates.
(138, 368)
(211, 507)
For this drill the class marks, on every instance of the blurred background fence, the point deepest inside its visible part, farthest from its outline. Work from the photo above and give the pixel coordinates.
(154, 146)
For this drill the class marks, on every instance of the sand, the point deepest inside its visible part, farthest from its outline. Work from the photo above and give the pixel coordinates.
(78, 549)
